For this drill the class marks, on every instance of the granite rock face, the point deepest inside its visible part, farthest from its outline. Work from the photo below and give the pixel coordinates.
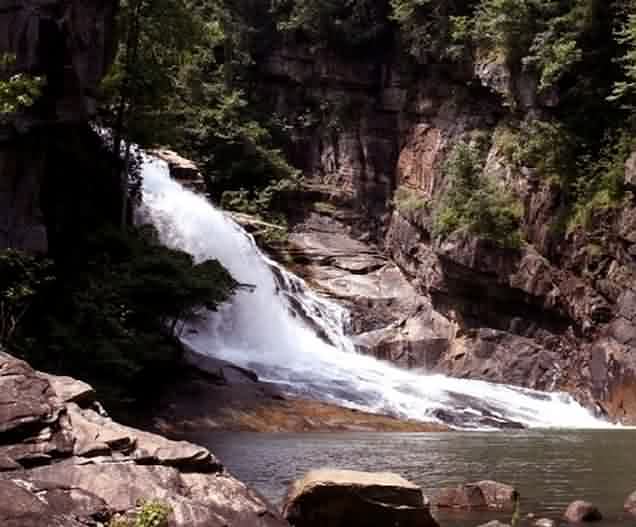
(70, 44)
(64, 463)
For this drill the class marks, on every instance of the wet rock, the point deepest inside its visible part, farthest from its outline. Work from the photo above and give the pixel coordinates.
(183, 170)
(544, 522)
(630, 504)
(495, 523)
(582, 511)
(332, 498)
(479, 495)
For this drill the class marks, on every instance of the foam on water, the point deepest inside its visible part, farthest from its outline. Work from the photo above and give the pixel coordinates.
(289, 335)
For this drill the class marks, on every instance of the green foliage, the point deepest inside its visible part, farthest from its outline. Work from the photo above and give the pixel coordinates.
(543, 35)
(352, 23)
(546, 146)
(476, 204)
(601, 183)
(120, 301)
(433, 28)
(22, 276)
(150, 514)
(176, 81)
(407, 201)
(17, 90)
(625, 88)
(155, 38)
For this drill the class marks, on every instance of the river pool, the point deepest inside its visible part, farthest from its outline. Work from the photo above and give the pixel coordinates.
(549, 468)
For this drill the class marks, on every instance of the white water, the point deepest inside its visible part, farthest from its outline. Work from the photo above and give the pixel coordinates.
(262, 330)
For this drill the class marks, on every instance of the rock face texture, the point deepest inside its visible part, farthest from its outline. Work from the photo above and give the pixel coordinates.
(556, 314)
(64, 463)
(480, 495)
(630, 504)
(44, 150)
(582, 511)
(181, 169)
(334, 498)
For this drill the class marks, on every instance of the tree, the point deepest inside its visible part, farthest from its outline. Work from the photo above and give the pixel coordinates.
(17, 90)
(155, 38)
(625, 89)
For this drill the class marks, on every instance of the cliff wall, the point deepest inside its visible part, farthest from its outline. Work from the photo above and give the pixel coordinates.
(556, 313)
(51, 179)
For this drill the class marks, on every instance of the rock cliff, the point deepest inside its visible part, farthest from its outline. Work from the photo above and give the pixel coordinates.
(558, 313)
(50, 177)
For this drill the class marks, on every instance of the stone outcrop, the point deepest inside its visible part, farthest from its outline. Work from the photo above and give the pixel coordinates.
(183, 170)
(333, 498)
(582, 511)
(64, 463)
(70, 44)
(630, 504)
(479, 495)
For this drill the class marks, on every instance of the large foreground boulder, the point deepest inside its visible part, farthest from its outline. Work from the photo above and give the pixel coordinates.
(479, 495)
(342, 498)
(63, 463)
(582, 511)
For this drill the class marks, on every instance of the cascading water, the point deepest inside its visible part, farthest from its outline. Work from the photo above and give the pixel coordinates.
(291, 336)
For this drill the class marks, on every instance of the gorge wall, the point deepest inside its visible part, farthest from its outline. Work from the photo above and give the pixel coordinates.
(558, 313)
(54, 174)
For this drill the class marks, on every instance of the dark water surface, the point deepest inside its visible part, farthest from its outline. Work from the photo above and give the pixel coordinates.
(550, 468)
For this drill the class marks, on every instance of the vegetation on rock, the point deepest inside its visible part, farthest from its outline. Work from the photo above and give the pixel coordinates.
(120, 302)
(476, 204)
(150, 514)
(17, 90)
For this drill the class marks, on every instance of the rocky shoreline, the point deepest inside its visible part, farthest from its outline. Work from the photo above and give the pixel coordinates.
(64, 463)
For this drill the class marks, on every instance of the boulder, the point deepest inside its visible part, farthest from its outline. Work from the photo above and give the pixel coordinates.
(630, 504)
(334, 498)
(63, 463)
(183, 170)
(582, 511)
(479, 495)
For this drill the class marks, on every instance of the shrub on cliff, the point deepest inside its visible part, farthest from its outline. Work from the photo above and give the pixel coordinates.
(115, 309)
(22, 277)
(352, 24)
(17, 90)
(476, 204)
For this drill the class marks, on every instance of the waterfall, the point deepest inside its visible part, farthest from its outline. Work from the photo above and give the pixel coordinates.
(289, 335)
